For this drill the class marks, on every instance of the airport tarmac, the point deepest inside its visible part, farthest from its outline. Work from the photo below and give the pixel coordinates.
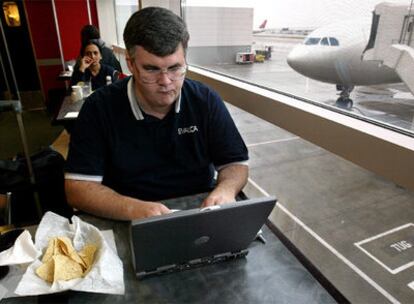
(356, 228)
(390, 105)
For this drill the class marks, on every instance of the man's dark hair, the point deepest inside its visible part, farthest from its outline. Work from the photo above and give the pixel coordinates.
(158, 30)
(83, 48)
(89, 32)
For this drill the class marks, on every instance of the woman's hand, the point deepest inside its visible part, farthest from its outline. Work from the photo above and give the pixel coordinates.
(85, 63)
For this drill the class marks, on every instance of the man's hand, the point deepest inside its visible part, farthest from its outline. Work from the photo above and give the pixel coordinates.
(218, 197)
(230, 181)
(147, 209)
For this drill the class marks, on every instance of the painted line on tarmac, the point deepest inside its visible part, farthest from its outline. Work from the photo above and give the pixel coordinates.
(273, 141)
(329, 247)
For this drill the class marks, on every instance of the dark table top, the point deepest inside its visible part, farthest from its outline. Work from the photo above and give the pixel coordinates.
(269, 274)
(65, 75)
(69, 106)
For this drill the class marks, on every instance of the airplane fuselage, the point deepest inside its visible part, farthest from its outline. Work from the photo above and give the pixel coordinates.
(337, 59)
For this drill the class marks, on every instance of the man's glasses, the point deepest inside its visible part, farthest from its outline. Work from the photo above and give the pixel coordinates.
(151, 75)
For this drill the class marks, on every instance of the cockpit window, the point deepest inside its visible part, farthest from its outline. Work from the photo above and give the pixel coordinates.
(324, 41)
(333, 41)
(312, 41)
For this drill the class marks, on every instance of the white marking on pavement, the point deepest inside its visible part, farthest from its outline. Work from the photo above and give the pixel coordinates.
(330, 248)
(273, 141)
(395, 270)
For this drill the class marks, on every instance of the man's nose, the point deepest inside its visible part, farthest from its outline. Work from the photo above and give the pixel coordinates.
(163, 78)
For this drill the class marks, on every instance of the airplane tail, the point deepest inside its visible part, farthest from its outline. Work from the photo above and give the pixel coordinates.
(263, 25)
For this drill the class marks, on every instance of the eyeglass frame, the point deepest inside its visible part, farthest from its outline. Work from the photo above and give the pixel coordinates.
(157, 73)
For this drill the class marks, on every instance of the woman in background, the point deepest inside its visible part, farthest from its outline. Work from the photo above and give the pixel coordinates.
(90, 69)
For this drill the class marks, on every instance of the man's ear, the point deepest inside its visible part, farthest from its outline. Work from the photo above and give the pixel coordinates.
(129, 62)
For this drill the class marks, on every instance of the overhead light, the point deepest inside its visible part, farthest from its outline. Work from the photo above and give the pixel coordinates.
(11, 13)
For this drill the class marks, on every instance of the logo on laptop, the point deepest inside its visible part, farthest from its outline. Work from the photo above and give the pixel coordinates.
(201, 240)
(190, 129)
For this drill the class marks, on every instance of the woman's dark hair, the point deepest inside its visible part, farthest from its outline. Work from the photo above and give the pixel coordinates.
(83, 47)
(158, 30)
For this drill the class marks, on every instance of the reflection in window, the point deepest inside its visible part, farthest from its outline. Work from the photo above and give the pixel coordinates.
(220, 30)
(312, 41)
(324, 41)
(333, 41)
(123, 10)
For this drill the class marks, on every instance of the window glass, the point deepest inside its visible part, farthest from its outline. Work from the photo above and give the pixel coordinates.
(123, 10)
(312, 41)
(333, 41)
(368, 89)
(324, 41)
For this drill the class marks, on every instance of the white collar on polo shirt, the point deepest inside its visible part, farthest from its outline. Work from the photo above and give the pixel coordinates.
(133, 101)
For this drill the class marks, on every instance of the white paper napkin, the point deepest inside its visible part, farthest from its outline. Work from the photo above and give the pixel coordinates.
(71, 115)
(23, 251)
(106, 274)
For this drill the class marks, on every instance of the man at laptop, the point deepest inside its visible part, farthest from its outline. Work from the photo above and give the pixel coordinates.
(154, 135)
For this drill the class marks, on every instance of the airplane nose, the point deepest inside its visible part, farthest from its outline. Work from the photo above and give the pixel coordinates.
(297, 58)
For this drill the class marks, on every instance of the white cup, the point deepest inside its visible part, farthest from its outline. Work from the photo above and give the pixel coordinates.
(77, 93)
(86, 89)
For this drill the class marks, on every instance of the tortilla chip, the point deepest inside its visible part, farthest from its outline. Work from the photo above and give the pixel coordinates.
(66, 268)
(66, 247)
(49, 251)
(46, 270)
(87, 255)
(62, 262)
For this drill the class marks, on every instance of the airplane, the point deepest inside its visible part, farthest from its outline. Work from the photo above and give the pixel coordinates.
(262, 27)
(333, 54)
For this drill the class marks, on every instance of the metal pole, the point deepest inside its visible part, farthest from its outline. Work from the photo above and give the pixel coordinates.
(89, 11)
(8, 208)
(10, 62)
(62, 58)
(17, 106)
(5, 78)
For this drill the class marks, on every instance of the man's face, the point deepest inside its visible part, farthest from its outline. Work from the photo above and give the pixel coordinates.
(158, 80)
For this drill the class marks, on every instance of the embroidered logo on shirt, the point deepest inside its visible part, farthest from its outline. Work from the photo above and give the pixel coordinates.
(190, 129)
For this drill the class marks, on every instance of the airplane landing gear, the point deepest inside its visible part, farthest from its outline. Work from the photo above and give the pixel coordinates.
(344, 101)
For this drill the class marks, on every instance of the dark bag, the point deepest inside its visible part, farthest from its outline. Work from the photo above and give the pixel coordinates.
(48, 171)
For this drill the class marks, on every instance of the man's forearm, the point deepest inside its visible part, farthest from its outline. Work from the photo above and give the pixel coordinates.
(233, 178)
(100, 200)
(230, 182)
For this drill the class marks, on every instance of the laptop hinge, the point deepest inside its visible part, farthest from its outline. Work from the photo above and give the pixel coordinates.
(159, 270)
(195, 263)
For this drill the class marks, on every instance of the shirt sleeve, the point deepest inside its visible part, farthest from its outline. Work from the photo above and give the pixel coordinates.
(87, 149)
(226, 145)
(76, 77)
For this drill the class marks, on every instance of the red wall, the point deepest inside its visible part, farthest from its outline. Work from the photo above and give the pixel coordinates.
(94, 13)
(72, 15)
(41, 21)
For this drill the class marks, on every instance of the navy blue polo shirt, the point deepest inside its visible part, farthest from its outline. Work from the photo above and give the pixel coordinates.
(98, 80)
(139, 155)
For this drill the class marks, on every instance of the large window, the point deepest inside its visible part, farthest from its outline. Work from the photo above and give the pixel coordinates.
(335, 57)
(123, 10)
(312, 50)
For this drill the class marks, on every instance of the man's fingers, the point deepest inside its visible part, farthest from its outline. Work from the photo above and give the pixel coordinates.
(209, 202)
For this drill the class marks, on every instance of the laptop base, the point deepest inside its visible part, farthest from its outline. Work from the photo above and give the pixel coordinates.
(194, 264)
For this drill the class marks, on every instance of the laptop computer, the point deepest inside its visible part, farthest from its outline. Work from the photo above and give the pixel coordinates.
(195, 237)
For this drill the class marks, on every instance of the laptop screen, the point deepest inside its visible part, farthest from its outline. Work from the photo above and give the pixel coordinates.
(182, 237)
